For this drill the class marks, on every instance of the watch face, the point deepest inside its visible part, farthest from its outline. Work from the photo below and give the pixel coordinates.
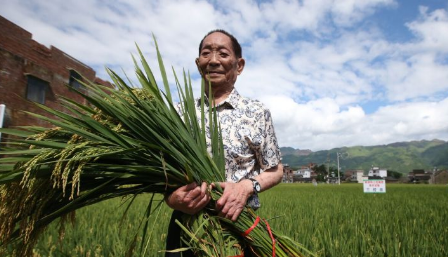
(256, 184)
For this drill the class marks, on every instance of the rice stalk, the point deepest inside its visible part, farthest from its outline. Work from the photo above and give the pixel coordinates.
(126, 142)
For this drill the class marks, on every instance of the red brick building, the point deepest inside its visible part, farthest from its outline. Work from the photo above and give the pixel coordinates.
(287, 174)
(31, 72)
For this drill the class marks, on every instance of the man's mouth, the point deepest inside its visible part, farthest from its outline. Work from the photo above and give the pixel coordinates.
(214, 72)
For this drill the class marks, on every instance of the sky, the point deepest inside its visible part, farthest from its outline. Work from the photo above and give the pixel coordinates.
(333, 73)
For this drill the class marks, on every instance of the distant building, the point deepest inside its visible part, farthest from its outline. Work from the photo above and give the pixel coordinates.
(360, 177)
(434, 176)
(353, 176)
(376, 172)
(287, 174)
(31, 72)
(310, 166)
(419, 176)
(304, 175)
(441, 177)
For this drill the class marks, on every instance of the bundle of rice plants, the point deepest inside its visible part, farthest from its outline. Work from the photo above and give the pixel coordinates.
(127, 141)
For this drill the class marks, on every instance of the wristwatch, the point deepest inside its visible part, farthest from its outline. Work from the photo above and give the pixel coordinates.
(256, 185)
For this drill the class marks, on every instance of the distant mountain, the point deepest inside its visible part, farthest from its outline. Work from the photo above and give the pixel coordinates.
(402, 156)
(296, 152)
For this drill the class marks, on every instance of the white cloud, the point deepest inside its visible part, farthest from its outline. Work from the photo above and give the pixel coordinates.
(418, 119)
(419, 68)
(347, 12)
(322, 124)
(301, 125)
(309, 61)
(418, 76)
(432, 30)
(287, 16)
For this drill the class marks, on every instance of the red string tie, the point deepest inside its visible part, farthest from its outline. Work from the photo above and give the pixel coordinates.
(247, 232)
(272, 237)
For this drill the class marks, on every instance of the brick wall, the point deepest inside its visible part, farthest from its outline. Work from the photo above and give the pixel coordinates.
(21, 56)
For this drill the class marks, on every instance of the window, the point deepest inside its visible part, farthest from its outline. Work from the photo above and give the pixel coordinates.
(36, 89)
(74, 80)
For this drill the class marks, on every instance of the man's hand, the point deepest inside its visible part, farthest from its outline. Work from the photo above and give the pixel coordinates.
(189, 199)
(234, 198)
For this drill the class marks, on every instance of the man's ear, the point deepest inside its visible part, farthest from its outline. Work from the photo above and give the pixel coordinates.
(241, 63)
(199, 67)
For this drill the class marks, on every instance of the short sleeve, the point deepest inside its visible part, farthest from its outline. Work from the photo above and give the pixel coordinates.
(267, 151)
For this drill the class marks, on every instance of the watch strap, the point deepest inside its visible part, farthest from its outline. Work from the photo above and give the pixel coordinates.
(256, 185)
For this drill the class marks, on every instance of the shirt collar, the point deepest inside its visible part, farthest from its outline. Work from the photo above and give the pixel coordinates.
(231, 101)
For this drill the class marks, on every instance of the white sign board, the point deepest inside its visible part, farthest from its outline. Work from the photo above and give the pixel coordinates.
(375, 186)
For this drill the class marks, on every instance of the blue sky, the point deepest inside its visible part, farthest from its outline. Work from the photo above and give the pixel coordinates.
(334, 73)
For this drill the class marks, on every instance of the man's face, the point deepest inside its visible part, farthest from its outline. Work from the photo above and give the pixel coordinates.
(217, 61)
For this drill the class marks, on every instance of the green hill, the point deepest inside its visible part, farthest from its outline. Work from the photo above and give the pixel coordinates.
(402, 157)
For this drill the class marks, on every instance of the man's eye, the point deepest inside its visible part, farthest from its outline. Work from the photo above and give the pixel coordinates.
(205, 53)
(224, 54)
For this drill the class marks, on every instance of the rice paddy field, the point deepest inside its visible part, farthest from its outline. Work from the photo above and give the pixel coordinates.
(330, 220)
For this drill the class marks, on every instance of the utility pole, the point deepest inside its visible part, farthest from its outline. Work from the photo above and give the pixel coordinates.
(339, 178)
(434, 171)
(328, 167)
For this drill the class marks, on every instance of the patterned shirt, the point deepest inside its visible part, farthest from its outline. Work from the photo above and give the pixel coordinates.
(250, 144)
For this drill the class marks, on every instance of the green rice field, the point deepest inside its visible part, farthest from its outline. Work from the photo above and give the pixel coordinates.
(330, 220)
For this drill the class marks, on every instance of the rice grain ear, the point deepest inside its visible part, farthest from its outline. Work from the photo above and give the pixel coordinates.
(126, 141)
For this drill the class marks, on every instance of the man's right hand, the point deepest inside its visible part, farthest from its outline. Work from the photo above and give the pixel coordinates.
(189, 199)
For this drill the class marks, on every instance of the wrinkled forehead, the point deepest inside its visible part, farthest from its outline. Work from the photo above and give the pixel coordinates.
(217, 41)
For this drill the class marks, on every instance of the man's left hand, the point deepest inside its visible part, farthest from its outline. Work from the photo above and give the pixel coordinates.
(234, 198)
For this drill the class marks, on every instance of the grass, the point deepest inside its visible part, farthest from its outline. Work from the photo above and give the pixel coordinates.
(408, 220)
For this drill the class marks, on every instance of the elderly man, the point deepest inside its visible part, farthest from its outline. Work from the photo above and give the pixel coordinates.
(253, 161)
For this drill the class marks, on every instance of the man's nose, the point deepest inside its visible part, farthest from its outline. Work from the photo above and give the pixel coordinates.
(214, 58)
